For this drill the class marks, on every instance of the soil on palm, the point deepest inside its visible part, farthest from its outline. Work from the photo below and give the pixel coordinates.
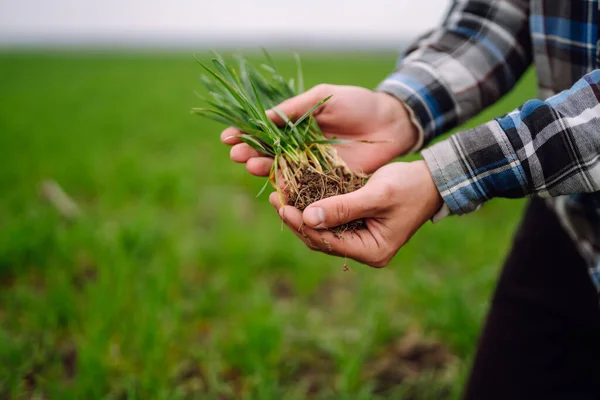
(314, 186)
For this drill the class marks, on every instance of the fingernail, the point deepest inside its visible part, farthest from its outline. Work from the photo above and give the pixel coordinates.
(281, 212)
(315, 217)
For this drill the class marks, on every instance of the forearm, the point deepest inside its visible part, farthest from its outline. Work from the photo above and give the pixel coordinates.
(477, 55)
(544, 148)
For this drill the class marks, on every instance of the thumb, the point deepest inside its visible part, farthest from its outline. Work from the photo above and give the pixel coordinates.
(338, 210)
(296, 107)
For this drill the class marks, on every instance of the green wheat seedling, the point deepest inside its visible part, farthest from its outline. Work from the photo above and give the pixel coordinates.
(240, 94)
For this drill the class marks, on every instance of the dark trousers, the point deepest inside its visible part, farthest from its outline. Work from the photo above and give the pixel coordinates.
(541, 339)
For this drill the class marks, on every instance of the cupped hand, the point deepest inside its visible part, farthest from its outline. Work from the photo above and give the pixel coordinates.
(396, 201)
(353, 113)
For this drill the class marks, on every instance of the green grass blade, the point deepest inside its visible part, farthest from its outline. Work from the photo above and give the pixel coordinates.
(208, 112)
(263, 188)
(239, 97)
(294, 133)
(261, 107)
(309, 112)
(269, 59)
(255, 144)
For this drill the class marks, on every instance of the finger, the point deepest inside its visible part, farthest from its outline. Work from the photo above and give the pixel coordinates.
(323, 241)
(259, 166)
(338, 210)
(276, 201)
(291, 216)
(360, 245)
(297, 106)
(241, 153)
(288, 214)
(230, 136)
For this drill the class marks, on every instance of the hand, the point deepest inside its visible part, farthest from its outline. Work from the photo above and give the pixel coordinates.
(352, 113)
(396, 201)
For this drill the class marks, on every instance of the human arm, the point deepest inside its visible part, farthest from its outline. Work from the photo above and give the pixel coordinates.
(476, 56)
(544, 148)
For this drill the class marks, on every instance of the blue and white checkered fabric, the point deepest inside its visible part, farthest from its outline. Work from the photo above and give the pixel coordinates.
(549, 147)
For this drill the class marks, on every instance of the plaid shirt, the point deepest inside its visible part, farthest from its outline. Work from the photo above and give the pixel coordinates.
(549, 147)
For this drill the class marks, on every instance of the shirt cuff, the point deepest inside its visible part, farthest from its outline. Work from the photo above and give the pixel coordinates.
(431, 105)
(474, 166)
(441, 214)
(420, 133)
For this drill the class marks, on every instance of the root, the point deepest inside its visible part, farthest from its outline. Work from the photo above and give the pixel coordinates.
(314, 186)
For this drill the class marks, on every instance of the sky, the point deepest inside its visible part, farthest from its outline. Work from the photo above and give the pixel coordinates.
(214, 22)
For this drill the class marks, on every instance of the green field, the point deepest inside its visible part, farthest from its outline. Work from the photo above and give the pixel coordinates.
(176, 282)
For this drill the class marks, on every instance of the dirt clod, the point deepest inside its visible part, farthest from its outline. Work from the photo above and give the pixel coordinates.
(314, 186)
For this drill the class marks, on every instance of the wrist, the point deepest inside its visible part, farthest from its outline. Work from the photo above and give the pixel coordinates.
(416, 133)
(410, 132)
(433, 201)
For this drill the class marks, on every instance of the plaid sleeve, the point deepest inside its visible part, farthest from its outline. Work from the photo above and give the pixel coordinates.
(544, 148)
(449, 75)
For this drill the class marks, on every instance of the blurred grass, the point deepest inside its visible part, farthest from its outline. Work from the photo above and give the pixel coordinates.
(178, 282)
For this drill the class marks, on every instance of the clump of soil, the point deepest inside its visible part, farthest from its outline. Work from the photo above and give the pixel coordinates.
(314, 186)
